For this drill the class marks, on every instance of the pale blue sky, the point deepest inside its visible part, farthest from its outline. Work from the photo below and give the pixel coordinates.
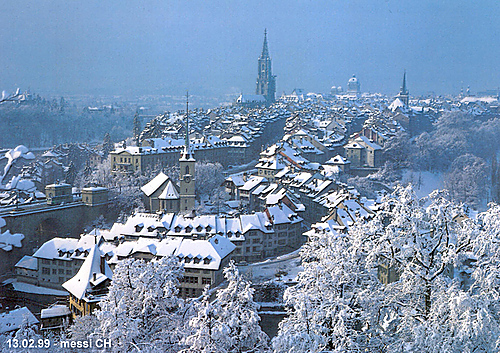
(211, 47)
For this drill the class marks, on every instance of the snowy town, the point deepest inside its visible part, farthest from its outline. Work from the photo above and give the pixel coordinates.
(334, 221)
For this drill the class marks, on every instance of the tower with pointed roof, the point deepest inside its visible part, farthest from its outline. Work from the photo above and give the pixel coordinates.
(266, 81)
(187, 164)
(403, 94)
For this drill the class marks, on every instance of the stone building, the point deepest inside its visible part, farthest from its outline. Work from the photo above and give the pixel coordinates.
(266, 81)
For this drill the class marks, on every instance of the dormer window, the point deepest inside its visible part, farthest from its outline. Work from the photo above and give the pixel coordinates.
(150, 229)
(197, 259)
(187, 259)
(189, 229)
(177, 229)
(199, 229)
(207, 260)
(139, 227)
(208, 228)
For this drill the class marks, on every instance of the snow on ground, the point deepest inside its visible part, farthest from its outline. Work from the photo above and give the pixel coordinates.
(11, 155)
(31, 288)
(288, 266)
(423, 182)
(8, 240)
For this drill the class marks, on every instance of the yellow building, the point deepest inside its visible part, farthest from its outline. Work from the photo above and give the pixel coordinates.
(89, 285)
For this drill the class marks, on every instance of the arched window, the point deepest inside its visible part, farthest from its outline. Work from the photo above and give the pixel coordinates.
(187, 170)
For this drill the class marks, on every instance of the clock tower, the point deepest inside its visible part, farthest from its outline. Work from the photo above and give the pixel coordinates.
(186, 177)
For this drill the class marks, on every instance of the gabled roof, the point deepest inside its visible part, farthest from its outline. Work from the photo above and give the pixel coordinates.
(154, 184)
(170, 192)
(89, 275)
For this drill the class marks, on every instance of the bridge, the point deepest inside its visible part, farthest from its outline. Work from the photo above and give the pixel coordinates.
(40, 222)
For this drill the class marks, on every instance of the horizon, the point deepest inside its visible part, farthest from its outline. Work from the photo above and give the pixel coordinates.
(137, 49)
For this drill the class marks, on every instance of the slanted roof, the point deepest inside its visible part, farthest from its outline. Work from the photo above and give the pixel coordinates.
(170, 192)
(12, 320)
(28, 262)
(154, 184)
(84, 279)
(55, 311)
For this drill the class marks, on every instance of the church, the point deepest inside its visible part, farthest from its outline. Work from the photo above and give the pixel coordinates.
(265, 92)
(162, 194)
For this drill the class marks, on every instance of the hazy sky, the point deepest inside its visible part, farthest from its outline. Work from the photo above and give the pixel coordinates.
(211, 46)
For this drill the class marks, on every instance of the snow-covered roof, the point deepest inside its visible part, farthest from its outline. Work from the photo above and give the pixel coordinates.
(398, 103)
(169, 193)
(338, 159)
(55, 311)
(155, 184)
(50, 249)
(91, 274)
(13, 320)
(366, 141)
(28, 262)
(251, 183)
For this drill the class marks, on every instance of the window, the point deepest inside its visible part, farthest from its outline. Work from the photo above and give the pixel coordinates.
(54, 271)
(189, 279)
(206, 281)
(186, 170)
(61, 279)
(45, 262)
(68, 272)
(61, 271)
(255, 249)
(45, 271)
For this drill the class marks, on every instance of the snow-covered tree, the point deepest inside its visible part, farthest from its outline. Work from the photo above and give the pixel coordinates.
(468, 180)
(345, 302)
(231, 322)
(329, 305)
(142, 308)
(209, 177)
(209, 335)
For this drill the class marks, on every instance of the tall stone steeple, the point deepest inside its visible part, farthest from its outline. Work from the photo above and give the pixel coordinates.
(186, 165)
(403, 94)
(266, 81)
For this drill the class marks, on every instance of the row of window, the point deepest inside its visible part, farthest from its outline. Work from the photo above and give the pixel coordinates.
(55, 271)
(194, 280)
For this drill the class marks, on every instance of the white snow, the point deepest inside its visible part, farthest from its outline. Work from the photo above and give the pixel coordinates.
(423, 182)
(13, 320)
(31, 288)
(55, 311)
(8, 240)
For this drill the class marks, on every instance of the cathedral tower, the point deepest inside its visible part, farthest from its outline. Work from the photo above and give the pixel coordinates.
(186, 164)
(266, 81)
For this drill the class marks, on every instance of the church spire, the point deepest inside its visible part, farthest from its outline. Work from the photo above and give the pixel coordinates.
(187, 123)
(265, 49)
(403, 88)
(266, 81)
(403, 94)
